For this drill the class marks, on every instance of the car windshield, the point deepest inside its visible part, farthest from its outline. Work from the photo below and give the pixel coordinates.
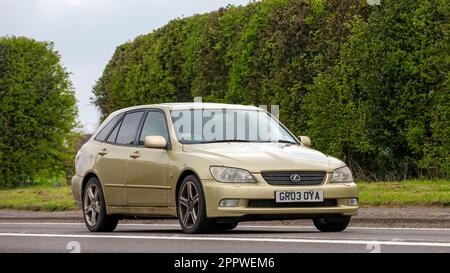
(194, 126)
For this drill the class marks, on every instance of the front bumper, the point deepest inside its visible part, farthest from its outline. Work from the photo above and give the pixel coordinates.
(215, 192)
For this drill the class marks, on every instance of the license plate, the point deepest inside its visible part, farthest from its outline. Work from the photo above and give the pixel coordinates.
(298, 196)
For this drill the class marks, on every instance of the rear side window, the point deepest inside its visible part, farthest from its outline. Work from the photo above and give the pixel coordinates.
(112, 137)
(128, 128)
(105, 131)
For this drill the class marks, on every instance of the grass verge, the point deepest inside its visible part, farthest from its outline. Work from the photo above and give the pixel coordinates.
(38, 198)
(408, 193)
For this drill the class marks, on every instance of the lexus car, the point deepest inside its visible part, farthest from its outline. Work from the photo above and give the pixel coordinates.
(210, 165)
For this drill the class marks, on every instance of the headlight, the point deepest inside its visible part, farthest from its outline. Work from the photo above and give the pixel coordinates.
(225, 174)
(342, 175)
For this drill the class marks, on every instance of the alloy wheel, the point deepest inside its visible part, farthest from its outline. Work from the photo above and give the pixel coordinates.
(91, 205)
(189, 204)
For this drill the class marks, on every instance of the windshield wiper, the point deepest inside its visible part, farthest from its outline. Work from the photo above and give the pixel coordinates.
(226, 140)
(244, 140)
(286, 141)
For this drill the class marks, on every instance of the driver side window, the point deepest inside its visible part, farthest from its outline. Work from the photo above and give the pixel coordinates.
(154, 125)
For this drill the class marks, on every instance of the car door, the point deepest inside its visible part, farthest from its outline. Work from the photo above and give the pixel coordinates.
(113, 158)
(147, 167)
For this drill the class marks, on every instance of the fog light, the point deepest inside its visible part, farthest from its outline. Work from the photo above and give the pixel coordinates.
(352, 201)
(229, 203)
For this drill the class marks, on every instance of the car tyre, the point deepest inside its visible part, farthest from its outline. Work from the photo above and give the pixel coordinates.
(332, 224)
(94, 208)
(191, 207)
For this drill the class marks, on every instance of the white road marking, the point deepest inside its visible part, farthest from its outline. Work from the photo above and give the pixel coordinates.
(240, 226)
(356, 228)
(231, 239)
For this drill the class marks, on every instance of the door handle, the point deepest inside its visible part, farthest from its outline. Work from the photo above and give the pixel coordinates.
(135, 155)
(103, 152)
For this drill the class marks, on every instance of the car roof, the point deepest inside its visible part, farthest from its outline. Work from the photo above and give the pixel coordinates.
(192, 105)
(205, 105)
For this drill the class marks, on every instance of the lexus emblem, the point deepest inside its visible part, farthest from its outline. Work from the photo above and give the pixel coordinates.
(295, 178)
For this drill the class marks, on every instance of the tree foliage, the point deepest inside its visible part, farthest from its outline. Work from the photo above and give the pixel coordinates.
(37, 111)
(368, 83)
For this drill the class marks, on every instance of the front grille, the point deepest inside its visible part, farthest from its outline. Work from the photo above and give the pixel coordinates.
(270, 203)
(307, 178)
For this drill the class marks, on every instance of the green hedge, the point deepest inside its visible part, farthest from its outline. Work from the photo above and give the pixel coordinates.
(37, 112)
(369, 84)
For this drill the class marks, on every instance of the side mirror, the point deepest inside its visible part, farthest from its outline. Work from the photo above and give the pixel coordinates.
(305, 141)
(155, 142)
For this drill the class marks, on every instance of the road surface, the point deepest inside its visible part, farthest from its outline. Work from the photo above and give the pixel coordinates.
(74, 237)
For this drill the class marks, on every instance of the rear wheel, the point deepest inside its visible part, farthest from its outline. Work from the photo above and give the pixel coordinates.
(332, 224)
(94, 208)
(191, 207)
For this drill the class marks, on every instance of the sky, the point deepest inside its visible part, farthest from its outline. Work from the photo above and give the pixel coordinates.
(86, 32)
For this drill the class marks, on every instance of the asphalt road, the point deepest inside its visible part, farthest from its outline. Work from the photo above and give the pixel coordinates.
(74, 237)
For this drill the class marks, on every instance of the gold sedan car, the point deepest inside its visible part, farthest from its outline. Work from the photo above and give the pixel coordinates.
(212, 166)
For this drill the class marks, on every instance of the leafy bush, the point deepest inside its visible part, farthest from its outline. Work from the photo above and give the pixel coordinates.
(387, 98)
(368, 83)
(37, 111)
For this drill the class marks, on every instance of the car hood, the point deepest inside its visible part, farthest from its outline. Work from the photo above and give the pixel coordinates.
(257, 157)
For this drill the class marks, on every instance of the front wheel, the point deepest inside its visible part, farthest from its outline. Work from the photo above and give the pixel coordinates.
(191, 207)
(94, 208)
(332, 224)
